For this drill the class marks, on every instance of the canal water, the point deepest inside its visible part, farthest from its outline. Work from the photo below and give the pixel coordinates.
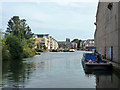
(55, 70)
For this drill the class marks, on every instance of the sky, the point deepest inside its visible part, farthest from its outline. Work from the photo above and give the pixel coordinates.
(61, 19)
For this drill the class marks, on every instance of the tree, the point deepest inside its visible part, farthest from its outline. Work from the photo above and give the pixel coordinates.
(77, 41)
(31, 43)
(14, 46)
(44, 47)
(17, 41)
(5, 53)
(19, 28)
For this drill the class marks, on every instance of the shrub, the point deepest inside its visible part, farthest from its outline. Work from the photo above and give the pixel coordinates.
(38, 50)
(27, 51)
(14, 46)
(6, 55)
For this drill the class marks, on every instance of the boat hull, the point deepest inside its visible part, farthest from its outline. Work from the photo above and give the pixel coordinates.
(96, 66)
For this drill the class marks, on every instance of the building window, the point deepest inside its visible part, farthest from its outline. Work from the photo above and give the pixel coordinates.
(40, 36)
(42, 41)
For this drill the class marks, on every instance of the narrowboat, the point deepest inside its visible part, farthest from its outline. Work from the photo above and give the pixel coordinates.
(89, 62)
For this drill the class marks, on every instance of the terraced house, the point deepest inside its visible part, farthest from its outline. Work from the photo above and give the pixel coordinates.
(45, 40)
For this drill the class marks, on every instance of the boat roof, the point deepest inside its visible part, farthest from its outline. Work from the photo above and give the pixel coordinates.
(90, 55)
(90, 47)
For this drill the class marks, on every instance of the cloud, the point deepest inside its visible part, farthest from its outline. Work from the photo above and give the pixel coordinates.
(54, 17)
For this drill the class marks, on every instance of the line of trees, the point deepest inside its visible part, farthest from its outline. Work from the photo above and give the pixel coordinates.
(17, 42)
(78, 42)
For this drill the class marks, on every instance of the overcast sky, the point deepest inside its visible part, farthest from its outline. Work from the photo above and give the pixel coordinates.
(59, 19)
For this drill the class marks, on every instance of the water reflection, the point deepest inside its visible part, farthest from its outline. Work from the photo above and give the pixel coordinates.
(15, 73)
(106, 79)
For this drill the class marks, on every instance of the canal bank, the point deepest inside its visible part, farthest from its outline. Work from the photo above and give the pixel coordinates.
(116, 67)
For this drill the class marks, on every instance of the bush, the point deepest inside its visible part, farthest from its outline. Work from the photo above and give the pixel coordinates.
(27, 52)
(38, 50)
(14, 46)
(5, 52)
(6, 55)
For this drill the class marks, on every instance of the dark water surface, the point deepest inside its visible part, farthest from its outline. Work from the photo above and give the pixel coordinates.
(55, 70)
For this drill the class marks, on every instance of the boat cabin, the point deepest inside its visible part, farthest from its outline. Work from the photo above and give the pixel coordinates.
(90, 56)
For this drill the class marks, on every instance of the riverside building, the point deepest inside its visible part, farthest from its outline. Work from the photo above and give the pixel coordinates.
(46, 40)
(107, 34)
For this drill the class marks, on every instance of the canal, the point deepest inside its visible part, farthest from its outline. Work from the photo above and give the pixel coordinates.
(55, 70)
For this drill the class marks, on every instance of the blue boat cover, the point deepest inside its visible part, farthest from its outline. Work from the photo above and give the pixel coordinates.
(90, 47)
(90, 55)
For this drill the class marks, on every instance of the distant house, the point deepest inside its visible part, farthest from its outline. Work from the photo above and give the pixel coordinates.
(62, 44)
(67, 44)
(87, 43)
(74, 45)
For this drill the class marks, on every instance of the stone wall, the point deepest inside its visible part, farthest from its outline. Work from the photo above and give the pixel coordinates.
(107, 34)
(119, 31)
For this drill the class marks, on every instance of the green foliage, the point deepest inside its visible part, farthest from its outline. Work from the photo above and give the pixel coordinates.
(6, 55)
(14, 46)
(17, 42)
(5, 52)
(38, 50)
(44, 47)
(27, 51)
(19, 28)
(41, 46)
(65, 47)
(77, 41)
(31, 43)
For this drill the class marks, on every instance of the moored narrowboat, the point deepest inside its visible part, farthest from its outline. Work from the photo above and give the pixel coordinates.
(89, 62)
